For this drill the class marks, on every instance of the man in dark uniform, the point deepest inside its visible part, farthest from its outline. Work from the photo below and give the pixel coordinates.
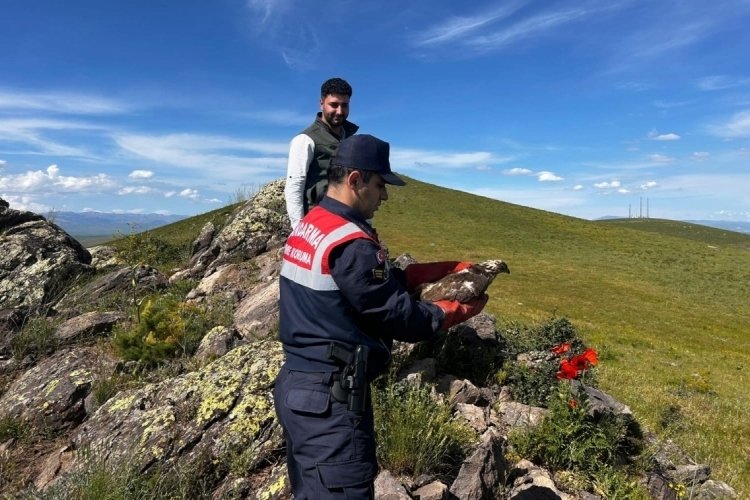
(341, 308)
(310, 151)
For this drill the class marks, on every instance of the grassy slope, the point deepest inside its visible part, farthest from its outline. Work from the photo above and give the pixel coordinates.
(665, 303)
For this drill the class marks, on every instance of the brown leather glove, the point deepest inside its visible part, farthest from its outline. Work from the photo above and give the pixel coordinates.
(456, 312)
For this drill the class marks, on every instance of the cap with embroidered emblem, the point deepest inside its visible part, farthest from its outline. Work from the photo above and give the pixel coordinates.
(366, 152)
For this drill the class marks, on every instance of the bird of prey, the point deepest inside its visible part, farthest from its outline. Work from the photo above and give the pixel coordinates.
(464, 285)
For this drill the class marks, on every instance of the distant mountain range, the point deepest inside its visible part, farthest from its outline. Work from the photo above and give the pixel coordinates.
(87, 224)
(727, 225)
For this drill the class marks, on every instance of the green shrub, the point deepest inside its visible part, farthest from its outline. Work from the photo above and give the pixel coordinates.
(531, 385)
(168, 328)
(518, 338)
(571, 439)
(415, 433)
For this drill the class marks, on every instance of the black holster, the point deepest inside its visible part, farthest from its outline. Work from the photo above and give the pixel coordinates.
(350, 385)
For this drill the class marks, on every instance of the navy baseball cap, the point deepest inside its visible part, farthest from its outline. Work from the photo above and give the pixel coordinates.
(365, 152)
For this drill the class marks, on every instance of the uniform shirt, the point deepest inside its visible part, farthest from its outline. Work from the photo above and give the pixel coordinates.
(371, 305)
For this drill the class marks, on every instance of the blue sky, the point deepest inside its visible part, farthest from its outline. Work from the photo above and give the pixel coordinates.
(586, 108)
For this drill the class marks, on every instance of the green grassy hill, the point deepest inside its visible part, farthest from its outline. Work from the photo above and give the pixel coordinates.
(664, 302)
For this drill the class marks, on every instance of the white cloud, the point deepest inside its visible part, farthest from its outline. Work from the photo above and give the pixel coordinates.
(623, 190)
(189, 193)
(25, 203)
(213, 200)
(700, 156)
(649, 185)
(136, 190)
(660, 158)
(141, 174)
(607, 185)
(415, 159)
(655, 136)
(577, 187)
(3, 163)
(59, 102)
(169, 194)
(721, 82)
(50, 181)
(737, 127)
(226, 158)
(517, 171)
(548, 177)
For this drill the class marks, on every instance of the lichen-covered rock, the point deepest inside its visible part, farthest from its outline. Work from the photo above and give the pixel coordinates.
(259, 225)
(514, 414)
(118, 281)
(88, 325)
(223, 410)
(50, 396)
(257, 315)
(216, 343)
(39, 260)
(103, 257)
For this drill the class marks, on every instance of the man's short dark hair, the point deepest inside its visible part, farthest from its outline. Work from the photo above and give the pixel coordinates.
(337, 86)
(337, 174)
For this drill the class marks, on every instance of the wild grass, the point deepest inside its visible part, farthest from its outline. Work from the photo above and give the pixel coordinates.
(415, 433)
(659, 300)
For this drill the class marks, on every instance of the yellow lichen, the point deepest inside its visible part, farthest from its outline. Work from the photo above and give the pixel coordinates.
(119, 403)
(51, 387)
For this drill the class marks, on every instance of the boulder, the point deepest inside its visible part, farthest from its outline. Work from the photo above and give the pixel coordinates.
(50, 396)
(104, 257)
(260, 225)
(483, 472)
(224, 409)
(534, 483)
(87, 325)
(120, 281)
(388, 487)
(39, 260)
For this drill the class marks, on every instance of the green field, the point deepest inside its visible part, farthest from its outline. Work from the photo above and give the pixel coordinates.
(665, 303)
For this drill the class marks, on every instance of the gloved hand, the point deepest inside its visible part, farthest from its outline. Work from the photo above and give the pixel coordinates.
(418, 274)
(456, 312)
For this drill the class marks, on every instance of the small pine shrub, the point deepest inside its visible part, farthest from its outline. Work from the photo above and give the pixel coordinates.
(168, 328)
(416, 434)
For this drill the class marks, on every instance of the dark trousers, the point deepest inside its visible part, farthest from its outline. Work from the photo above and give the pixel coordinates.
(330, 450)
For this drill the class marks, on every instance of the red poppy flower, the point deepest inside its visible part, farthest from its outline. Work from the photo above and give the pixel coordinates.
(567, 370)
(591, 356)
(562, 348)
(573, 404)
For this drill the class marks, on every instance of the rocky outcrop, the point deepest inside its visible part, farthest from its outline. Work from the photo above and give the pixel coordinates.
(259, 225)
(122, 281)
(222, 410)
(39, 260)
(51, 395)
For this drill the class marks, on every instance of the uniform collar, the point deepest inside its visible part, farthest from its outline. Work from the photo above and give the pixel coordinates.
(347, 212)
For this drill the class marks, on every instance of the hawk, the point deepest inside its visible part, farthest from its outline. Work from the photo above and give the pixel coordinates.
(464, 285)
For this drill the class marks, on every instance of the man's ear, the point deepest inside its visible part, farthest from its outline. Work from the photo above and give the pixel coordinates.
(352, 180)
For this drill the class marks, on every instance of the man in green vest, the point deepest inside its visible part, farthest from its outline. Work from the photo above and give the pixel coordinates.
(310, 152)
